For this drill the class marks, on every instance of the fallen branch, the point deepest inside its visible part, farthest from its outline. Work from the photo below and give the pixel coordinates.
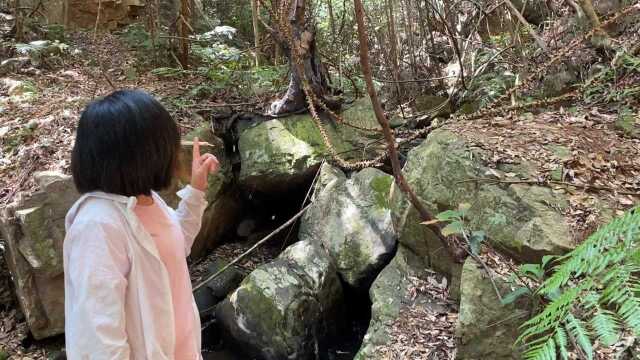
(243, 255)
(213, 106)
(552, 182)
(414, 80)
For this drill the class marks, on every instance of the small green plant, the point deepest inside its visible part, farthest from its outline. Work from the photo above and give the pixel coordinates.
(12, 141)
(591, 294)
(614, 83)
(457, 224)
(167, 72)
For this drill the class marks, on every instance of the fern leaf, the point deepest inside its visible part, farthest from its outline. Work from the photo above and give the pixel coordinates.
(605, 326)
(561, 342)
(577, 330)
(545, 350)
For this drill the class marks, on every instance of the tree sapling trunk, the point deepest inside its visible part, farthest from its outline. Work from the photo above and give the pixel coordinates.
(298, 39)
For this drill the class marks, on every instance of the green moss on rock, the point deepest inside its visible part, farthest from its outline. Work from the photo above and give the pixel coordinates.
(352, 219)
(280, 152)
(286, 308)
(526, 221)
(482, 314)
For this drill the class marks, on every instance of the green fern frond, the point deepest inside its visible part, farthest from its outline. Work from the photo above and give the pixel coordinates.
(552, 315)
(561, 341)
(592, 294)
(606, 326)
(576, 328)
(545, 350)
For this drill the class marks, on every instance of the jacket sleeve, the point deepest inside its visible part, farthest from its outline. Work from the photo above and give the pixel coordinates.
(96, 266)
(189, 214)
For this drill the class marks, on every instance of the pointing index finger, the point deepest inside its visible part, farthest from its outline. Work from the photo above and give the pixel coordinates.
(196, 148)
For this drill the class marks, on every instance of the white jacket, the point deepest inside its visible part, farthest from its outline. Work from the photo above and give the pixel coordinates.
(117, 293)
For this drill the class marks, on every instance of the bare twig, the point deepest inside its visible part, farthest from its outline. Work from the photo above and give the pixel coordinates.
(304, 201)
(214, 106)
(524, 22)
(414, 80)
(243, 255)
(95, 29)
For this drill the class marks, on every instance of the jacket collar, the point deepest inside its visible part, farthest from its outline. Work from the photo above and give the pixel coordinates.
(129, 203)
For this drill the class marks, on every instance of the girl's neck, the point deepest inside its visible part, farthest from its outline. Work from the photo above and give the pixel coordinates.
(145, 200)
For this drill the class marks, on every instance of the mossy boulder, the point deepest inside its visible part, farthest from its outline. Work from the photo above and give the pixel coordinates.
(486, 329)
(388, 293)
(559, 82)
(285, 309)
(525, 221)
(352, 219)
(278, 153)
(33, 230)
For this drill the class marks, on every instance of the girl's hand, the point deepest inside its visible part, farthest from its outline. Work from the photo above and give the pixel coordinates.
(202, 166)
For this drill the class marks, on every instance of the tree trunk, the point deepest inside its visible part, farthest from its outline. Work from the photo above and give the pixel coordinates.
(256, 29)
(600, 39)
(18, 25)
(590, 12)
(304, 61)
(277, 48)
(184, 30)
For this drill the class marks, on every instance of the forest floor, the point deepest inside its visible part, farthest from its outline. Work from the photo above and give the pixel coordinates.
(37, 134)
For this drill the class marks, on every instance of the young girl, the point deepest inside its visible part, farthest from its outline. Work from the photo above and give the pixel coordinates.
(127, 286)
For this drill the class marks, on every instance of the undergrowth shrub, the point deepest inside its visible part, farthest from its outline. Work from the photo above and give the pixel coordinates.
(617, 82)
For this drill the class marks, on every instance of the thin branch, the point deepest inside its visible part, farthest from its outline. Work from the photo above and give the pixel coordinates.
(95, 30)
(425, 214)
(414, 80)
(106, 77)
(214, 106)
(304, 201)
(264, 240)
(524, 22)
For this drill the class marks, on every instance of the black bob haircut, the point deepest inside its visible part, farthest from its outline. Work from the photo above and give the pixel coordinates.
(126, 144)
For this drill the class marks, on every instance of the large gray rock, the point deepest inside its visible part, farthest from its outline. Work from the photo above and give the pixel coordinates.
(388, 293)
(526, 221)
(287, 308)
(33, 230)
(352, 219)
(482, 314)
(279, 153)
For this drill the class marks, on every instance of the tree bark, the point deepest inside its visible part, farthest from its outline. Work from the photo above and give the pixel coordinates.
(424, 213)
(393, 48)
(184, 30)
(304, 61)
(256, 29)
(600, 38)
(590, 12)
(18, 24)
